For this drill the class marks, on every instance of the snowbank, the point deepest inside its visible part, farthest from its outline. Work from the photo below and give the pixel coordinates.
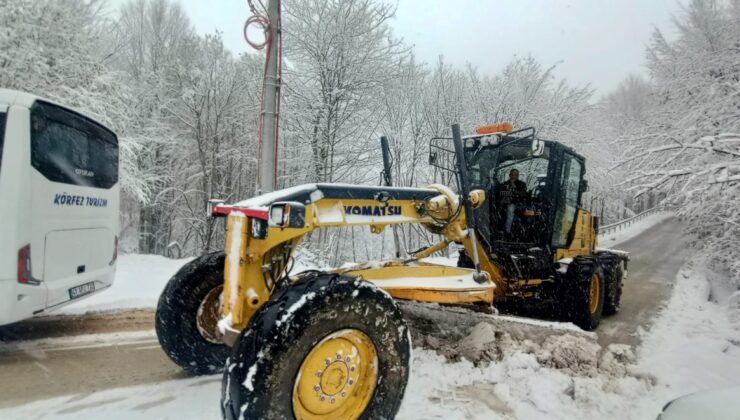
(615, 238)
(528, 383)
(139, 281)
(518, 371)
(694, 344)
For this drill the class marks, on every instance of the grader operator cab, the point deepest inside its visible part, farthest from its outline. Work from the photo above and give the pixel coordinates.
(548, 227)
(334, 344)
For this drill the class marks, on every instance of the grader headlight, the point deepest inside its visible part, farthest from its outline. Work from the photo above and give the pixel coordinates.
(477, 197)
(279, 214)
(287, 215)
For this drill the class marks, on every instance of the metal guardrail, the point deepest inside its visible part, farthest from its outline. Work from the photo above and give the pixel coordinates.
(623, 224)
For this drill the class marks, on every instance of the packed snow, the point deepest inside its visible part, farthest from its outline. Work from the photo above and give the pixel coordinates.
(140, 280)
(694, 344)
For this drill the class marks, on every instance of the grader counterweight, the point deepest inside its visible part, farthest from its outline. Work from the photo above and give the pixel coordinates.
(334, 344)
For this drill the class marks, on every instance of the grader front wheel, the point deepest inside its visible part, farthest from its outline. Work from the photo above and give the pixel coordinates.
(187, 314)
(327, 347)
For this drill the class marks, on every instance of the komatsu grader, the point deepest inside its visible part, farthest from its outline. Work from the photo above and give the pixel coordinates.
(334, 344)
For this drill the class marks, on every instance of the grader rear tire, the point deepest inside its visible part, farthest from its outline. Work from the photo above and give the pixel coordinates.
(328, 347)
(613, 297)
(582, 293)
(187, 314)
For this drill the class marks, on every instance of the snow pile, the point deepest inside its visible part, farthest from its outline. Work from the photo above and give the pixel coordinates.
(139, 281)
(567, 376)
(694, 344)
(470, 365)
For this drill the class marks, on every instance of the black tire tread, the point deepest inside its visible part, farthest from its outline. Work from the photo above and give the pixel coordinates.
(270, 395)
(611, 265)
(574, 292)
(175, 320)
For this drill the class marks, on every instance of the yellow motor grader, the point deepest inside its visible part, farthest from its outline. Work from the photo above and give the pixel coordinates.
(334, 344)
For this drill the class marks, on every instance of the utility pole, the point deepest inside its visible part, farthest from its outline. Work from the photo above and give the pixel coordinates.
(388, 181)
(267, 164)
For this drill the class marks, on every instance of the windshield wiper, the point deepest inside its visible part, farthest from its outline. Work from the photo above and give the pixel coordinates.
(472, 159)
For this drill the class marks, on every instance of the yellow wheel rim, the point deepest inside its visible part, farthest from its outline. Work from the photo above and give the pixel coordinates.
(337, 378)
(209, 312)
(593, 297)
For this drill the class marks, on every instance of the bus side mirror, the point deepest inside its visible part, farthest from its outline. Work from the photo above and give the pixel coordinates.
(538, 147)
(584, 185)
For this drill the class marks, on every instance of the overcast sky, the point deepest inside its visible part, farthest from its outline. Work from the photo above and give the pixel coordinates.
(592, 41)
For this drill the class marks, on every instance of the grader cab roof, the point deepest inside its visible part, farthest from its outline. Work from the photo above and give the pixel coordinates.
(442, 152)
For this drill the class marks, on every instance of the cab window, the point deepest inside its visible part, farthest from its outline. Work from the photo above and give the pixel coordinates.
(568, 196)
(492, 166)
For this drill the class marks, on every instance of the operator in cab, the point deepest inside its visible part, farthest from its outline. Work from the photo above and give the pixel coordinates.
(511, 195)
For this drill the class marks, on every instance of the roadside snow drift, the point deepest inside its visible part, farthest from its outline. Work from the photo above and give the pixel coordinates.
(139, 281)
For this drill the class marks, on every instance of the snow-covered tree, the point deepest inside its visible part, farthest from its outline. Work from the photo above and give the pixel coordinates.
(62, 50)
(687, 145)
(342, 53)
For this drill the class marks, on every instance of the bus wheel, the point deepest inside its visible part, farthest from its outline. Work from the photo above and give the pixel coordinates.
(188, 313)
(328, 347)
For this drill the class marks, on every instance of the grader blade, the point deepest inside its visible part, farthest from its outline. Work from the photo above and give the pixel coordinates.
(426, 282)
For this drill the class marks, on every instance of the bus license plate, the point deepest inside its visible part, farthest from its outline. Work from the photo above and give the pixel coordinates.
(81, 290)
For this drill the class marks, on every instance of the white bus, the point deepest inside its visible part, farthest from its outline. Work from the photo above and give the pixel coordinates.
(59, 205)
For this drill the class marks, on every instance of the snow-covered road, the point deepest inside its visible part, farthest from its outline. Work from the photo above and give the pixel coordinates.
(655, 258)
(122, 373)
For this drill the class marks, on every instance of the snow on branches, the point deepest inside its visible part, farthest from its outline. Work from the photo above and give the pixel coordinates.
(685, 142)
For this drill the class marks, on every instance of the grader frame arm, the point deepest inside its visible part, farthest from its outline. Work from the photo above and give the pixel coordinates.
(263, 233)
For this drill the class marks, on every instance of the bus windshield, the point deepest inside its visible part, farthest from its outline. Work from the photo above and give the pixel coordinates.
(71, 149)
